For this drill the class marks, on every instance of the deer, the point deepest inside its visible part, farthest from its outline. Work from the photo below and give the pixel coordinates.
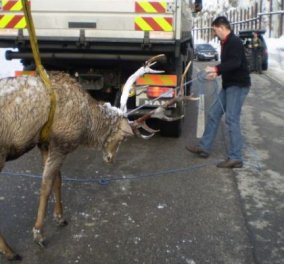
(78, 120)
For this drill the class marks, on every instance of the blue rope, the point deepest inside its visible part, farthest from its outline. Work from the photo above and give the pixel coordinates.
(201, 77)
(106, 181)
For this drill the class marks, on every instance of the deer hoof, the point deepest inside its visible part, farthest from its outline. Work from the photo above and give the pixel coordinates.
(62, 223)
(38, 238)
(60, 220)
(15, 257)
(42, 244)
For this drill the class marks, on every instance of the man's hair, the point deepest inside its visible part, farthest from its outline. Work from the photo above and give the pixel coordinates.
(221, 21)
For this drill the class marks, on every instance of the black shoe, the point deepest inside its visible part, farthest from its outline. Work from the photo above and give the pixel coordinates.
(197, 150)
(230, 164)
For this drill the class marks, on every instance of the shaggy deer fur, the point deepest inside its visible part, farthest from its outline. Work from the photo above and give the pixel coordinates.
(78, 120)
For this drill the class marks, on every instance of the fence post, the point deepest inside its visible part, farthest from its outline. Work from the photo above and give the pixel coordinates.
(281, 32)
(246, 17)
(270, 18)
(241, 24)
(238, 19)
(234, 18)
(201, 26)
(207, 30)
(260, 17)
(255, 15)
(251, 16)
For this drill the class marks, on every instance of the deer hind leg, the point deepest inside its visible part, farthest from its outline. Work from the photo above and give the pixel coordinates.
(53, 160)
(7, 251)
(58, 209)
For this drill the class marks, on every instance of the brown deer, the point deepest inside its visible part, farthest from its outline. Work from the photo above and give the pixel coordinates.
(78, 120)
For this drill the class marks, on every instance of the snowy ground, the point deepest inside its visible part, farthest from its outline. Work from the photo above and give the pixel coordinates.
(276, 58)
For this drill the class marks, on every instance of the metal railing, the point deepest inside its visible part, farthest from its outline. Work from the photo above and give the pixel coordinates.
(250, 18)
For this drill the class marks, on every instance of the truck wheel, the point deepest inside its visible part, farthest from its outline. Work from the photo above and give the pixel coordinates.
(174, 128)
(117, 99)
(170, 129)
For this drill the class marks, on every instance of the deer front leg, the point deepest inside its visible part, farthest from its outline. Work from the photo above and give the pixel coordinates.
(45, 190)
(51, 168)
(58, 209)
(7, 251)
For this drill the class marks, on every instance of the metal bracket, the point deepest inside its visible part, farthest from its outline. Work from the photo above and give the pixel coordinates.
(82, 39)
(146, 40)
(20, 37)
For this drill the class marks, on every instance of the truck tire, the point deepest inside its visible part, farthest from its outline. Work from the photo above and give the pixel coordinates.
(174, 128)
(171, 129)
(117, 99)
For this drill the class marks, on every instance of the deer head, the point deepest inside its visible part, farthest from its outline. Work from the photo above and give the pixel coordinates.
(117, 136)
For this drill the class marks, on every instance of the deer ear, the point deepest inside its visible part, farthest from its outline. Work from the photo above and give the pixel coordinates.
(126, 128)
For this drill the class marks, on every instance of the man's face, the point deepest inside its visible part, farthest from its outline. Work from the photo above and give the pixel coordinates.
(217, 31)
(221, 32)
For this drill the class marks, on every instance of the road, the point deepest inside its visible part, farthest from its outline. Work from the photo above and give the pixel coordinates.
(162, 204)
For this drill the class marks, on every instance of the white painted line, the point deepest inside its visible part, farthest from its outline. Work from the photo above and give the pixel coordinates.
(201, 117)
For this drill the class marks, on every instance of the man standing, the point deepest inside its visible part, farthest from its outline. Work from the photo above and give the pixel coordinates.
(256, 48)
(235, 87)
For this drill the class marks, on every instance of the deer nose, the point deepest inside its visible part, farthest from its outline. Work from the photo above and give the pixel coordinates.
(108, 158)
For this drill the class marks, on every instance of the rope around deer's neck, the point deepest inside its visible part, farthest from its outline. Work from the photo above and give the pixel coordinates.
(44, 135)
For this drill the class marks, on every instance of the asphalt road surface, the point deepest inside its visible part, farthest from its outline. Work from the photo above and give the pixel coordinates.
(159, 203)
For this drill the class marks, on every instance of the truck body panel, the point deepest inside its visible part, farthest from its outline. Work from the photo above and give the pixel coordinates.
(101, 42)
(106, 19)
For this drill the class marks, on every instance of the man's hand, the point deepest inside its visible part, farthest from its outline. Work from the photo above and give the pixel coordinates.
(211, 73)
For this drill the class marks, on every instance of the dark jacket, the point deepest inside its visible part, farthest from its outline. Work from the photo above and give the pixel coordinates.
(233, 66)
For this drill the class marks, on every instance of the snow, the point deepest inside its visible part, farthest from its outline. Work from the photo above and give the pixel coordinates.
(276, 58)
(276, 52)
(8, 68)
(218, 6)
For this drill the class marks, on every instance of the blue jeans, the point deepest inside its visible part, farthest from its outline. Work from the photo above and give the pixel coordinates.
(229, 101)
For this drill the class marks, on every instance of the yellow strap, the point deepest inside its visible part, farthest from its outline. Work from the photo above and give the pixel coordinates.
(40, 70)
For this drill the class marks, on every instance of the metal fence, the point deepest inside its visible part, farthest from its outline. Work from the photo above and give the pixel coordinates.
(250, 18)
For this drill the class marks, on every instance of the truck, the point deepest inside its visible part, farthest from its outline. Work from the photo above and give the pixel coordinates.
(102, 42)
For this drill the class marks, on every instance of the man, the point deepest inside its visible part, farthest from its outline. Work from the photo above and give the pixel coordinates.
(256, 48)
(235, 87)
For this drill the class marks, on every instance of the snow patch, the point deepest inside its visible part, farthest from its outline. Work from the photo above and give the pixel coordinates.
(8, 68)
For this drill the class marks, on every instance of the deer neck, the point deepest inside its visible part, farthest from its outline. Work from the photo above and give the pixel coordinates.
(103, 123)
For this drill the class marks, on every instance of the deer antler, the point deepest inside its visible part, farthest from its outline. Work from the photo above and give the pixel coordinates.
(153, 60)
(159, 112)
(146, 68)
